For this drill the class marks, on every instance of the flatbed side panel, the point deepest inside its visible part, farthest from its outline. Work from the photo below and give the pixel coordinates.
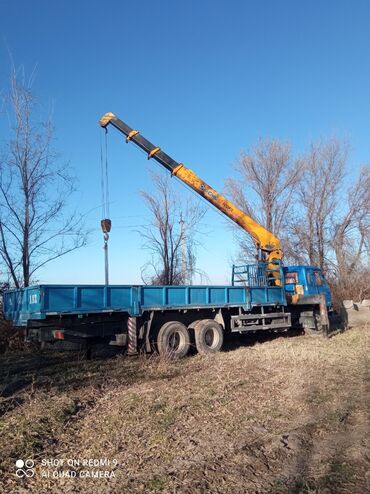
(23, 304)
(38, 302)
(271, 295)
(119, 296)
(182, 296)
(84, 298)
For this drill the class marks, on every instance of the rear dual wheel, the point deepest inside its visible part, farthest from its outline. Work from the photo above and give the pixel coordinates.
(209, 336)
(173, 340)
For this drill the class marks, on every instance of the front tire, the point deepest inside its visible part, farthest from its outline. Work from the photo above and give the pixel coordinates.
(317, 329)
(173, 340)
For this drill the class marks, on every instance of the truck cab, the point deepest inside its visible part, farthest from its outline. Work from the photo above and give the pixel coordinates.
(307, 280)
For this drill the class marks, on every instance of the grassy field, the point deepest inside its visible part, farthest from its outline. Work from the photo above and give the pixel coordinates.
(286, 415)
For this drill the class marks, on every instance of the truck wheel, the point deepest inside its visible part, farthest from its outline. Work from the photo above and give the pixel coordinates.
(173, 340)
(209, 336)
(319, 326)
(317, 330)
(322, 329)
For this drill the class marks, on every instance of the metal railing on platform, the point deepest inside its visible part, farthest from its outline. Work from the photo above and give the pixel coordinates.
(258, 275)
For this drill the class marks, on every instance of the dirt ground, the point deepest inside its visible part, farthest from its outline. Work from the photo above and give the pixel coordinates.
(289, 415)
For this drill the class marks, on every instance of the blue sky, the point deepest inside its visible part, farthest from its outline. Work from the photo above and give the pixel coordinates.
(202, 79)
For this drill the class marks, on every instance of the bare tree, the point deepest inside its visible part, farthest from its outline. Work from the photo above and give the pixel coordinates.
(307, 203)
(350, 235)
(265, 187)
(34, 192)
(172, 248)
(350, 240)
(331, 224)
(318, 198)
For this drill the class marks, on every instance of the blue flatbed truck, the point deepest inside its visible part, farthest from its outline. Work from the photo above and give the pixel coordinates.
(171, 319)
(262, 296)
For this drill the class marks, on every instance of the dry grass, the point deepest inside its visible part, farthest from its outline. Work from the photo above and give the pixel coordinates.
(288, 415)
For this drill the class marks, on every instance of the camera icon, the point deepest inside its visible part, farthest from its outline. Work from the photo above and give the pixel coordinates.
(25, 468)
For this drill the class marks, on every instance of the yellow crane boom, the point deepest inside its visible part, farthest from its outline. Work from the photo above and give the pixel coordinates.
(266, 242)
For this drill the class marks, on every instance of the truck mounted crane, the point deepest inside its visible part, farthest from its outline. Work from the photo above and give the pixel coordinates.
(261, 296)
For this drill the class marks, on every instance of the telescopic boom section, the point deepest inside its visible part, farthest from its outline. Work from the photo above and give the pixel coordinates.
(265, 241)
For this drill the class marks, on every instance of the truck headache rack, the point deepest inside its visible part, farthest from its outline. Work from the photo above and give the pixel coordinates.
(258, 275)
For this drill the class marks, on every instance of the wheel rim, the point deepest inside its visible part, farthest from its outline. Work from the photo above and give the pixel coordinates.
(211, 338)
(175, 342)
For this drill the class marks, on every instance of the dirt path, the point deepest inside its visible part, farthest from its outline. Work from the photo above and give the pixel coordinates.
(285, 416)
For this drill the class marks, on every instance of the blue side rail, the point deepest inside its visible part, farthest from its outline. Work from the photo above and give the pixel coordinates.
(42, 301)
